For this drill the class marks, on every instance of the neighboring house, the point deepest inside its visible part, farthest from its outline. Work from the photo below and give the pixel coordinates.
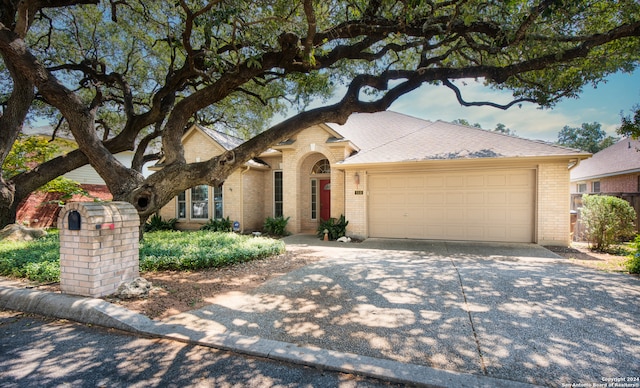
(41, 209)
(616, 169)
(613, 171)
(392, 176)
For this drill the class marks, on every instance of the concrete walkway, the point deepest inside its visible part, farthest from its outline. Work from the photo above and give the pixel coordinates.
(419, 312)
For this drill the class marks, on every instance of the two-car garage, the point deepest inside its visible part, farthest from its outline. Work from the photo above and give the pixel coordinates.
(474, 205)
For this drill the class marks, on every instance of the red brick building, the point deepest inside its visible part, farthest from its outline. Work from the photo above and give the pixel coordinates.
(40, 210)
(613, 171)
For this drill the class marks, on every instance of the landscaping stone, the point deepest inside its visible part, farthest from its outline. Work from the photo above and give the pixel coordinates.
(138, 288)
(16, 232)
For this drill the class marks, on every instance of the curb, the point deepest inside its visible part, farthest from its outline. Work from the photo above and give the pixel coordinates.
(76, 308)
(101, 313)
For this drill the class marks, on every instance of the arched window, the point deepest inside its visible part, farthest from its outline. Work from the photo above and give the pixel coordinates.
(321, 167)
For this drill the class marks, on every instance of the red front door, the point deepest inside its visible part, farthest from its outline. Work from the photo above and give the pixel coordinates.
(325, 199)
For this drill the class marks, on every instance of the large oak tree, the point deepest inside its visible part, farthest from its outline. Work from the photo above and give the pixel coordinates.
(121, 74)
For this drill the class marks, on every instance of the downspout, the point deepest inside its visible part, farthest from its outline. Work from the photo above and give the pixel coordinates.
(242, 198)
(573, 163)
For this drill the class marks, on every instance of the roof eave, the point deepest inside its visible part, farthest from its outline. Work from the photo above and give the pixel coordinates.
(605, 175)
(546, 158)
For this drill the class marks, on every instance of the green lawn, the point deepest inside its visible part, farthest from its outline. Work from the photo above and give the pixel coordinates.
(166, 250)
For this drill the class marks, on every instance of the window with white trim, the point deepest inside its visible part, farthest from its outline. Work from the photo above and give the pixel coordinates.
(321, 167)
(217, 202)
(195, 204)
(595, 187)
(200, 202)
(582, 187)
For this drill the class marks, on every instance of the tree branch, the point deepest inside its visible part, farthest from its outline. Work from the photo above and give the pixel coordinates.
(311, 30)
(462, 102)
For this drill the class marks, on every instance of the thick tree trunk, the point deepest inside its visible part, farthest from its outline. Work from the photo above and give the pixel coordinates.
(8, 207)
(10, 126)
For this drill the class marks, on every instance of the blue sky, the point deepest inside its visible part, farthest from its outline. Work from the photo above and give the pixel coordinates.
(602, 104)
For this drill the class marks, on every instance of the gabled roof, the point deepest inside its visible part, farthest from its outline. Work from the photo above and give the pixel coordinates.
(620, 158)
(228, 142)
(386, 137)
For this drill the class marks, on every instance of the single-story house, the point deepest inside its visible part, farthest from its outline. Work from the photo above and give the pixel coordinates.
(392, 176)
(613, 171)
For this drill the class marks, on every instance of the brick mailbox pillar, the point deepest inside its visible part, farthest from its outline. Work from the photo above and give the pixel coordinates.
(99, 247)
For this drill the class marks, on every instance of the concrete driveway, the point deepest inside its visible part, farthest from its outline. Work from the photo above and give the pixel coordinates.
(510, 311)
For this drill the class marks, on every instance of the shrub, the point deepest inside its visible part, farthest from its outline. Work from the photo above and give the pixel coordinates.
(156, 223)
(607, 220)
(37, 260)
(163, 250)
(218, 225)
(633, 264)
(276, 226)
(336, 228)
(202, 249)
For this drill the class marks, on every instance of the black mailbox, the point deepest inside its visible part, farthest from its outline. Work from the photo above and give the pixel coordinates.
(74, 220)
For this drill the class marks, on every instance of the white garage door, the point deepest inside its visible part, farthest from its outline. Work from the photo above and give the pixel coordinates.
(497, 205)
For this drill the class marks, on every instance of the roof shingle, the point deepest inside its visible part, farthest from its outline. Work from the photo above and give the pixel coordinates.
(620, 158)
(393, 137)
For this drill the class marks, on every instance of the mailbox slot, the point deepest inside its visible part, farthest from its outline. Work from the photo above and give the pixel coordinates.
(74, 220)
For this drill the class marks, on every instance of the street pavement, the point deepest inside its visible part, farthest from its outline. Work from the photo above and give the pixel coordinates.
(44, 352)
(415, 312)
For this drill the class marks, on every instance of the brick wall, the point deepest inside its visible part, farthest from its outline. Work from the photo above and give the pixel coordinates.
(627, 183)
(620, 184)
(267, 185)
(253, 190)
(309, 147)
(104, 253)
(355, 203)
(41, 210)
(231, 197)
(553, 204)
(200, 147)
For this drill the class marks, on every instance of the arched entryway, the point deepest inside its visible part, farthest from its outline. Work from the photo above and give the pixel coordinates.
(315, 199)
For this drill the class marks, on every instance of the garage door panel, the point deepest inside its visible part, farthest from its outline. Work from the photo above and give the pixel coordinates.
(435, 216)
(416, 182)
(521, 200)
(413, 198)
(475, 233)
(476, 216)
(497, 216)
(475, 181)
(497, 180)
(434, 182)
(434, 199)
(496, 233)
(481, 206)
(496, 198)
(454, 198)
(455, 216)
(522, 179)
(455, 181)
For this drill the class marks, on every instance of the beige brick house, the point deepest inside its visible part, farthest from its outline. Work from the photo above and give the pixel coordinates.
(392, 176)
